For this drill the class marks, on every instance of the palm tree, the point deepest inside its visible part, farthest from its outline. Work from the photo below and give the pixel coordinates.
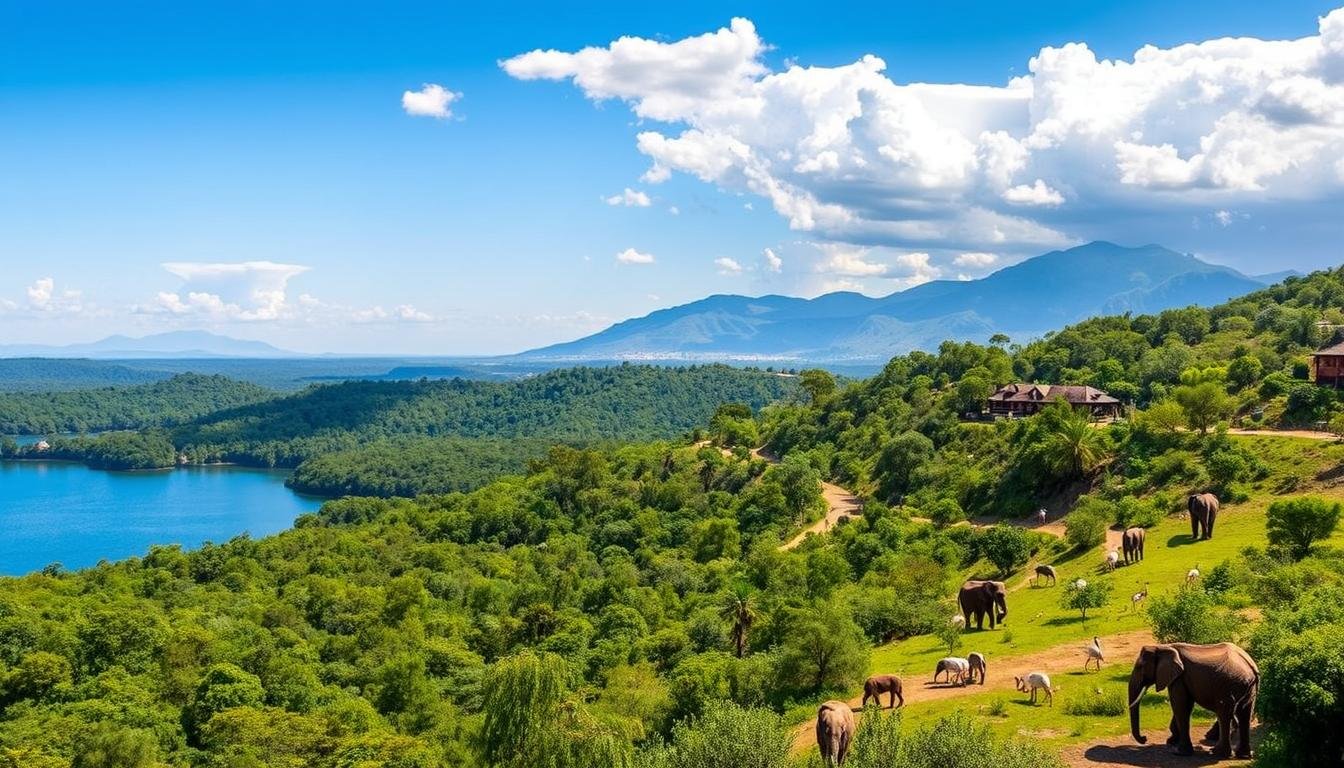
(740, 609)
(1073, 446)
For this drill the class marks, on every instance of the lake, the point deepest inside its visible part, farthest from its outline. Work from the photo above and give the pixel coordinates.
(61, 512)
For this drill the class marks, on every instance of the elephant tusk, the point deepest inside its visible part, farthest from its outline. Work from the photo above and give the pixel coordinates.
(1138, 698)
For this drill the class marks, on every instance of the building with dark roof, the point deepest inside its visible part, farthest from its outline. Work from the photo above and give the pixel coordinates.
(1026, 399)
(1327, 365)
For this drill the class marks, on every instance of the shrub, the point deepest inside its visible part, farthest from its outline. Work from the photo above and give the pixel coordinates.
(1190, 616)
(1006, 546)
(957, 740)
(1296, 524)
(1085, 527)
(726, 736)
(877, 744)
(1131, 512)
(1092, 594)
(1093, 704)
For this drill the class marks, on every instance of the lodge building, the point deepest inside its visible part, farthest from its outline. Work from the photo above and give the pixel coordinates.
(1327, 366)
(1016, 400)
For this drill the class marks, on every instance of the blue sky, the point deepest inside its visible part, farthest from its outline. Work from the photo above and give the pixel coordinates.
(252, 169)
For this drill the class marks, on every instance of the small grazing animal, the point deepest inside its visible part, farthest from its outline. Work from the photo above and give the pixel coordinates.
(1138, 597)
(1046, 571)
(1033, 682)
(958, 621)
(1112, 559)
(978, 666)
(1094, 653)
(1192, 576)
(955, 667)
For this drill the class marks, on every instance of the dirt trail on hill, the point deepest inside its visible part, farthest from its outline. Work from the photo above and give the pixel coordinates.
(840, 504)
(1057, 662)
(1309, 434)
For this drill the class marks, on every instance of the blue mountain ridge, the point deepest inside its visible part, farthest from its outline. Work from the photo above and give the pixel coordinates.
(1024, 301)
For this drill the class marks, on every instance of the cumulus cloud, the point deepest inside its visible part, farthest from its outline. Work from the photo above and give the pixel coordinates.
(430, 101)
(772, 262)
(975, 259)
(44, 298)
(1032, 194)
(245, 290)
(631, 256)
(631, 198)
(851, 154)
(846, 261)
(728, 266)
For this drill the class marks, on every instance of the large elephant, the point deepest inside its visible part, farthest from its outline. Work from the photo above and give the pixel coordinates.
(1132, 541)
(983, 598)
(877, 685)
(1203, 511)
(835, 729)
(1221, 677)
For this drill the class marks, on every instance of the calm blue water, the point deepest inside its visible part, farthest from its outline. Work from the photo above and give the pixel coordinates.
(58, 512)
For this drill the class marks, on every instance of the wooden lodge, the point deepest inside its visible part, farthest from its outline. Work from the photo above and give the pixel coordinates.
(1327, 366)
(1015, 400)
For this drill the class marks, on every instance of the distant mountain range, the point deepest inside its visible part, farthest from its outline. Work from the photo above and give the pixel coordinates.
(1024, 301)
(174, 344)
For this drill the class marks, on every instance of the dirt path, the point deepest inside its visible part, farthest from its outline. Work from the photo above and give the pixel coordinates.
(840, 504)
(1121, 750)
(1309, 434)
(1057, 662)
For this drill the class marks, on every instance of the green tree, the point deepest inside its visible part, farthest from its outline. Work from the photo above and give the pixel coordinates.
(1296, 524)
(224, 686)
(726, 736)
(1072, 448)
(818, 383)
(1084, 595)
(800, 483)
(899, 459)
(1244, 371)
(739, 610)
(1190, 616)
(1006, 546)
(823, 650)
(107, 745)
(1085, 527)
(1204, 404)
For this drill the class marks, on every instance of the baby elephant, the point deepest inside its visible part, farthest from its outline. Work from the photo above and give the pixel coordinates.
(978, 666)
(835, 729)
(1033, 682)
(877, 685)
(955, 667)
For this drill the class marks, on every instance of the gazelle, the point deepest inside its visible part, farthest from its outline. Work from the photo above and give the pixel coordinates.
(1138, 597)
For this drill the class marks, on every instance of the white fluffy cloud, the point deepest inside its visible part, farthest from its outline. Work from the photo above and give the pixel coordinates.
(431, 100)
(246, 290)
(631, 198)
(631, 256)
(728, 266)
(772, 262)
(847, 261)
(44, 298)
(975, 259)
(851, 154)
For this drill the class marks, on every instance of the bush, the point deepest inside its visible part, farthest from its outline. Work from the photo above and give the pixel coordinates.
(957, 740)
(1296, 524)
(1092, 594)
(1131, 512)
(1301, 656)
(725, 736)
(1093, 704)
(1006, 546)
(877, 744)
(1190, 616)
(1085, 527)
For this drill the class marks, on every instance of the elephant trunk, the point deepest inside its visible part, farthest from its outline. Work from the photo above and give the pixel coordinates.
(1002, 603)
(1136, 691)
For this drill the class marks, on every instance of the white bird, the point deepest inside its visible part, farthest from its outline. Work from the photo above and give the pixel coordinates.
(1138, 597)
(1094, 653)
(1192, 576)
(1080, 584)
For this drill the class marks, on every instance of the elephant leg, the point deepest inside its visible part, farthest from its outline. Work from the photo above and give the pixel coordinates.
(1222, 748)
(1213, 734)
(1182, 705)
(1208, 526)
(1194, 525)
(1243, 726)
(1174, 730)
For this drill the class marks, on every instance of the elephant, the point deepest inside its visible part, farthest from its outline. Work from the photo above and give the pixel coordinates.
(877, 685)
(1203, 511)
(835, 729)
(1046, 571)
(984, 598)
(1133, 541)
(978, 666)
(1222, 678)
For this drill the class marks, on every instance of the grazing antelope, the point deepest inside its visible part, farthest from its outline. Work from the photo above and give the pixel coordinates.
(1192, 576)
(1112, 559)
(1033, 682)
(1046, 571)
(1138, 597)
(1094, 653)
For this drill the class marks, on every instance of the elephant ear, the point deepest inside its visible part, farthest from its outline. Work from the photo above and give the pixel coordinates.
(1169, 667)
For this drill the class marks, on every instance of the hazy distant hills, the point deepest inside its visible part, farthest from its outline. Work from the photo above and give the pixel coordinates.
(191, 344)
(1024, 301)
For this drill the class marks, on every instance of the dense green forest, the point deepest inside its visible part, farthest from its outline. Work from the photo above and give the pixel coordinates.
(414, 466)
(176, 400)
(41, 374)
